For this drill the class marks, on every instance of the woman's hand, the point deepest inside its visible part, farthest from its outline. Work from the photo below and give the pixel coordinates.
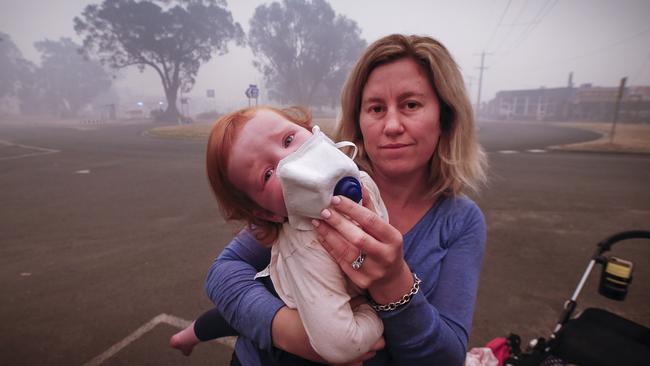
(348, 229)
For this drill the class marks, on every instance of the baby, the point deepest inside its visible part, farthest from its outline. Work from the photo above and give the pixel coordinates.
(255, 158)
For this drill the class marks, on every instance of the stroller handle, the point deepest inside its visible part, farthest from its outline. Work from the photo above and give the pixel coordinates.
(606, 244)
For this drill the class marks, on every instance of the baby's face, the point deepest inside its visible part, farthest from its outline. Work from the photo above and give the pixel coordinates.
(260, 145)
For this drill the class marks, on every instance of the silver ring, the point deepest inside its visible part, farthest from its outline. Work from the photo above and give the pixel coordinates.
(356, 264)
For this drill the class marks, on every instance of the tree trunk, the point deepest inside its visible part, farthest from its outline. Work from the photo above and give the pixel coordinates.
(171, 114)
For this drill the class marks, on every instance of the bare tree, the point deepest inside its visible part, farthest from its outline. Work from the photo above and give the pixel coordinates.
(14, 69)
(66, 81)
(304, 50)
(173, 38)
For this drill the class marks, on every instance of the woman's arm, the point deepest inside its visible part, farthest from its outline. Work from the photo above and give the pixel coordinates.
(448, 297)
(244, 302)
(248, 306)
(434, 326)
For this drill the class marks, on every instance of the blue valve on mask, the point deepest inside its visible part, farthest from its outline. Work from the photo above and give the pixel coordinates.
(350, 188)
(310, 175)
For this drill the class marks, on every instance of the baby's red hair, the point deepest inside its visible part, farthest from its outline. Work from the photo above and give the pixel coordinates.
(235, 205)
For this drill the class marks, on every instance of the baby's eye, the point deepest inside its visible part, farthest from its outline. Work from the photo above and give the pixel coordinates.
(288, 140)
(267, 175)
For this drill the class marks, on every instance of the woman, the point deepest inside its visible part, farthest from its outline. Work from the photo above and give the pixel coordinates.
(405, 107)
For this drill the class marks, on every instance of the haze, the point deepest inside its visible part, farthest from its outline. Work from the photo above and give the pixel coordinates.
(529, 43)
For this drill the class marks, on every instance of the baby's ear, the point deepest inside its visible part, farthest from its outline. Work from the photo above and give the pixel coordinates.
(267, 215)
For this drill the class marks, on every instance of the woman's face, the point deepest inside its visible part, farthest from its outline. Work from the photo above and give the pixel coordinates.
(399, 119)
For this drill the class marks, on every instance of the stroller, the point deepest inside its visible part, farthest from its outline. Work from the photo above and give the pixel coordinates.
(595, 337)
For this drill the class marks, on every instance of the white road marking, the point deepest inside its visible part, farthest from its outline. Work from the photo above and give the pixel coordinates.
(536, 151)
(161, 318)
(40, 150)
(508, 151)
(83, 171)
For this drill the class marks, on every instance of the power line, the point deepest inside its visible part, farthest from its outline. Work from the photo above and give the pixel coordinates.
(597, 50)
(499, 23)
(609, 45)
(514, 24)
(541, 14)
(603, 48)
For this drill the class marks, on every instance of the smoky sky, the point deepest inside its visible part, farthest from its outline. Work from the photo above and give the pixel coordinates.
(528, 43)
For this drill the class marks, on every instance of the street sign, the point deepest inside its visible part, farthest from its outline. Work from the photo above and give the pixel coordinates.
(252, 91)
(210, 93)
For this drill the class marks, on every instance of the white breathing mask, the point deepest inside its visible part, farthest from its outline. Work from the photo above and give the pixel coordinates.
(313, 174)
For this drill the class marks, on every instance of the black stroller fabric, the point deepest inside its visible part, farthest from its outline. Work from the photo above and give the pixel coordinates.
(600, 338)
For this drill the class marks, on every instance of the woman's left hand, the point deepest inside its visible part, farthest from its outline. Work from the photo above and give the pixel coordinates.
(348, 229)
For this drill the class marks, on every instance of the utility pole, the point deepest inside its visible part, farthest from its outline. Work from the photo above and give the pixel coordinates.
(480, 81)
(469, 81)
(621, 88)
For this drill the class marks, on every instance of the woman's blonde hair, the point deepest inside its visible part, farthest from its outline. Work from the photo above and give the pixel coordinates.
(459, 163)
(234, 204)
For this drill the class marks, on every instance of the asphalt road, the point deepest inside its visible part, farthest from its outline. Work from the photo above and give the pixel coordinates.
(103, 230)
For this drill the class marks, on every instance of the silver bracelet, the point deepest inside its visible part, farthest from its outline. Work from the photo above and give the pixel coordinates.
(403, 301)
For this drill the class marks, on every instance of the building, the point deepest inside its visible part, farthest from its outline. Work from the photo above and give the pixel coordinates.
(599, 104)
(543, 104)
(584, 103)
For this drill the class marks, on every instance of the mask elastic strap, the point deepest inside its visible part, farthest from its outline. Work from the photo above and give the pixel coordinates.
(347, 144)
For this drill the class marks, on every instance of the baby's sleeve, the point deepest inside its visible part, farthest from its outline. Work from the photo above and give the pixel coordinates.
(373, 191)
(337, 332)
